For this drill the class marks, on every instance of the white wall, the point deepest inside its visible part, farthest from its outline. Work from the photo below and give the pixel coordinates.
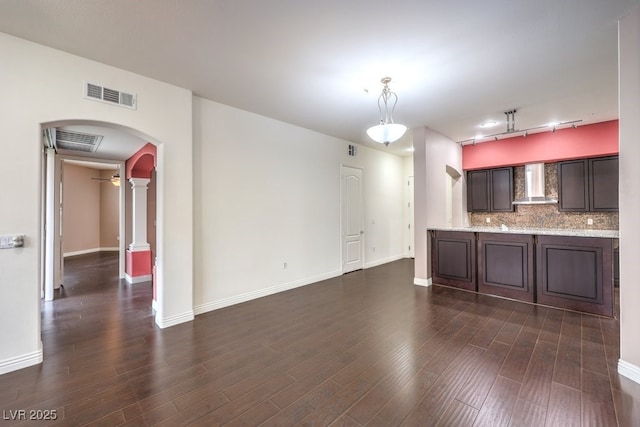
(433, 153)
(42, 85)
(267, 193)
(629, 40)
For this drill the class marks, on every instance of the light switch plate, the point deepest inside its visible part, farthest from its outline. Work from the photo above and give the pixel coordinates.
(11, 241)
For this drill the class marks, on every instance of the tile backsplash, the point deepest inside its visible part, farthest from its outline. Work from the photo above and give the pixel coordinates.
(543, 216)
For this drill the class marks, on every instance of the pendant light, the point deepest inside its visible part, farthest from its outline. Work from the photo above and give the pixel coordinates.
(387, 131)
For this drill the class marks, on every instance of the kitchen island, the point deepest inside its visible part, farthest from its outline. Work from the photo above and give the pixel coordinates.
(569, 269)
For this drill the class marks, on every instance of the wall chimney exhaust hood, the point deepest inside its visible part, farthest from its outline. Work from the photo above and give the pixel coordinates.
(534, 186)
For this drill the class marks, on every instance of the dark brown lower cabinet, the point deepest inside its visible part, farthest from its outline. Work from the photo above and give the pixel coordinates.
(575, 273)
(616, 267)
(505, 265)
(453, 258)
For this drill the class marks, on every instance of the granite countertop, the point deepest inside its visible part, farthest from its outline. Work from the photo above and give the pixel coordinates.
(611, 234)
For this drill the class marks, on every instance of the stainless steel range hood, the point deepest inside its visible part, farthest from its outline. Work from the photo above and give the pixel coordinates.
(534, 186)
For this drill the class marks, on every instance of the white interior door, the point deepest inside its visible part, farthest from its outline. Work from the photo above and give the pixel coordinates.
(352, 219)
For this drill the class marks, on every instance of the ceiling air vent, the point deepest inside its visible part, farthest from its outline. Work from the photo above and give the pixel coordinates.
(111, 96)
(77, 141)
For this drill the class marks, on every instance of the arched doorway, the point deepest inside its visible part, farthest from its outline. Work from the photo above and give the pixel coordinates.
(86, 142)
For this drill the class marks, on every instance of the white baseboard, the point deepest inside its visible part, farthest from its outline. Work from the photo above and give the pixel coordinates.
(90, 251)
(166, 322)
(138, 279)
(237, 299)
(21, 362)
(383, 261)
(422, 282)
(629, 370)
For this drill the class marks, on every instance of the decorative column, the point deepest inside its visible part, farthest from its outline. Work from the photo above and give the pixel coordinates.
(139, 252)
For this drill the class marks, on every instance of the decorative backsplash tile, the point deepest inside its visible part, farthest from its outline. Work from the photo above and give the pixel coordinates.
(544, 216)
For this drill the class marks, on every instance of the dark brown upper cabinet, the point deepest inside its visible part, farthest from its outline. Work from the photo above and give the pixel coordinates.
(573, 189)
(603, 183)
(588, 185)
(490, 190)
(501, 189)
(478, 191)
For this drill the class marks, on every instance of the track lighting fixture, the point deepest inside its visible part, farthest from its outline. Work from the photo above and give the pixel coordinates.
(511, 129)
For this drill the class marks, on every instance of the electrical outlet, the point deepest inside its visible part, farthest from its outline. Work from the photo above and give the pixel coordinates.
(488, 220)
(589, 221)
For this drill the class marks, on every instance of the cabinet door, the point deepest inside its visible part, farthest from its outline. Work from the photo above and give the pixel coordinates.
(505, 265)
(573, 191)
(453, 259)
(501, 190)
(478, 191)
(603, 184)
(575, 273)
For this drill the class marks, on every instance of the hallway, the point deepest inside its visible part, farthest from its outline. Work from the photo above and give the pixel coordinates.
(365, 348)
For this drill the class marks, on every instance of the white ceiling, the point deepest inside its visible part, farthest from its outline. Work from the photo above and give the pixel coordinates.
(454, 64)
(115, 145)
(92, 165)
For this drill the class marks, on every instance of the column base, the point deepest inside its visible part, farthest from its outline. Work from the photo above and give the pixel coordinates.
(137, 279)
(138, 266)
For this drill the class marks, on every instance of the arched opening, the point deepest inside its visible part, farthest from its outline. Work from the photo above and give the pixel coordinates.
(452, 203)
(91, 146)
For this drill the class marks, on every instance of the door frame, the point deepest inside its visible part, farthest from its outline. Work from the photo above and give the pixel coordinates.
(121, 201)
(410, 219)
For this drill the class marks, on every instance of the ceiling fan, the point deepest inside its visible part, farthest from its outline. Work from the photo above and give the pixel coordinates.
(115, 179)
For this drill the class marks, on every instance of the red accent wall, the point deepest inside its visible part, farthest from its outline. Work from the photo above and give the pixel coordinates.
(142, 162)
(599, 139)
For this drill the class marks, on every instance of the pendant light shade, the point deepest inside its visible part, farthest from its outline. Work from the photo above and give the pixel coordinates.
(387, 131)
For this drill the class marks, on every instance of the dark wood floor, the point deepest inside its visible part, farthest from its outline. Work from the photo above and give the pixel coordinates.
(367, 348)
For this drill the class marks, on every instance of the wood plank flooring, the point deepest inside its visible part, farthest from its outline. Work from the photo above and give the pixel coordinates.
(367, 348)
